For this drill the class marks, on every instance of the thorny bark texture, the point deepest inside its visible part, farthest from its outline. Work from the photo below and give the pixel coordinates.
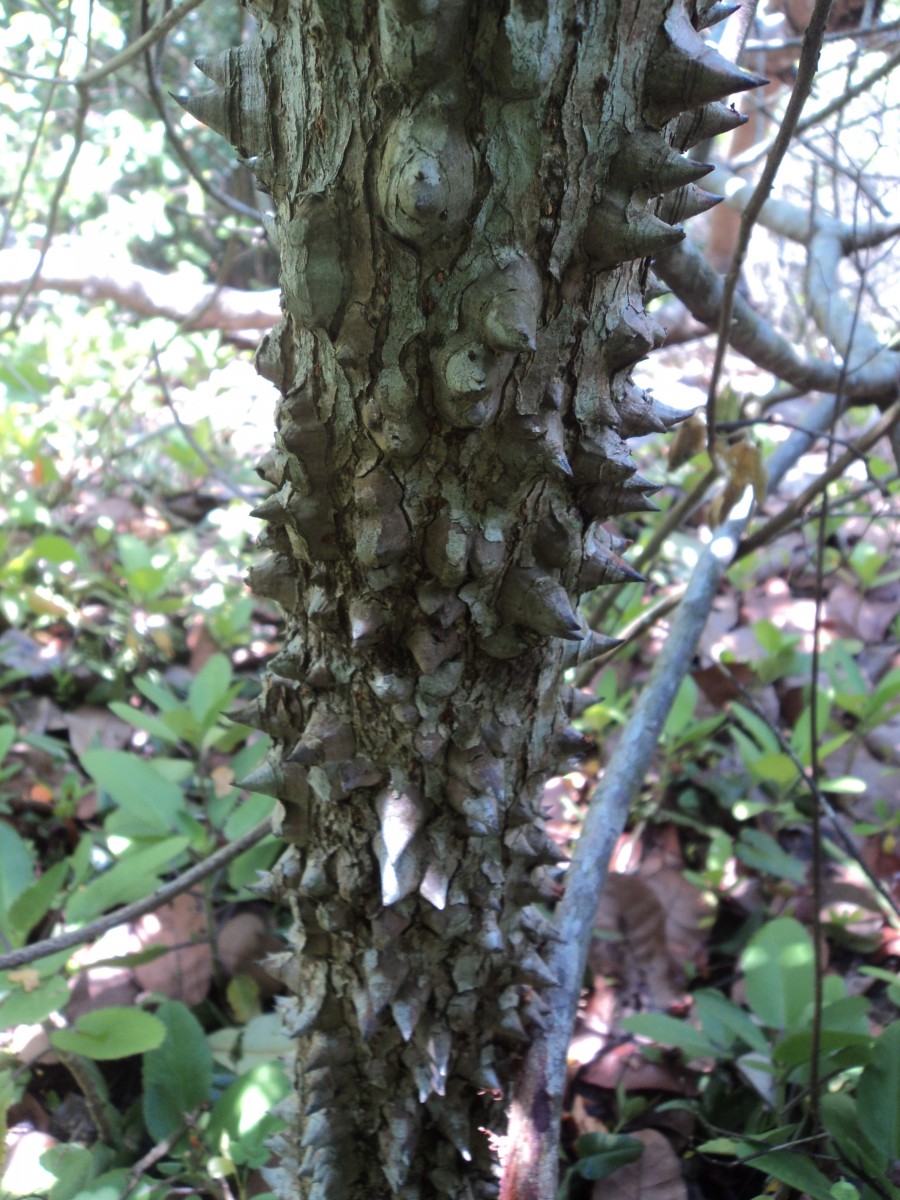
(465, 196)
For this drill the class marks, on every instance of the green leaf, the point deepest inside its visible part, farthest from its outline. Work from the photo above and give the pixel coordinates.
(669, 1031)
(136, 874)
(760, 851)
(17, 857)
(248, 813)
(795, 1170)
(878, 1093)
(7, 737)
(682, 711)
(797, 1048)
(209, 690)
(21, 1007)
(778, 966)
(839, 1116)
(73, 1167)
(177, 1076)
(758, 728)
(31, 905)
(888, 977)
(157, 693)
(110, 1186)
(262, 1040)
(112, 1032)
(55, 549)
(772, 639)
(774, 767)
(147, 721)
(599, 1154)
(723, 1022)
(243, 872)
(844, 1190)
(151, 802)
(245, 1104)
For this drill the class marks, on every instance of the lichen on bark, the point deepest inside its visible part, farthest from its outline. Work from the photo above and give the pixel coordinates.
(466, 196)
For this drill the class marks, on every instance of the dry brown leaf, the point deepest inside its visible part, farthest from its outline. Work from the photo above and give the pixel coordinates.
(185, 973)
(656, 1175)
(222, 780)
(720, 685)
(635, 950)
(242, 943)
(27, 976)
(867, 617)
(583, 1121)
(689, 439)
(626, 1066)
(90, 727)
(743, 466)
(687, 909)
(746, 465)
(98, 987)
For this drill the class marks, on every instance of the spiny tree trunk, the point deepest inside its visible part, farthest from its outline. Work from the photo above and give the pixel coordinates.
(466, 195)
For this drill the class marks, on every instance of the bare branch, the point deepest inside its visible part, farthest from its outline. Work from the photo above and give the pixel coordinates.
(701, 289)
(180, 296)
(806, 73)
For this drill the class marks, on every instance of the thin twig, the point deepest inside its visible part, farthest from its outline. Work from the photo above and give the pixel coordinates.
(806, 74)
(814, 120)
(61, 184)
(154, 1155)
(633, 632)
(783, 423)
(183, 883)
(13, 203)
(800, 503)
(838, 35)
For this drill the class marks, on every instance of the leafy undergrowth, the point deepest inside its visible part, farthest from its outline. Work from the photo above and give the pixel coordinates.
(145, 1062)
(717, 1054)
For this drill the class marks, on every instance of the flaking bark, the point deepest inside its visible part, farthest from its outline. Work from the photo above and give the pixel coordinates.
(465, 197)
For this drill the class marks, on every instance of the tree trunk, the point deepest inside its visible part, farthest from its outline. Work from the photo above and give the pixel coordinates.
(466, 195)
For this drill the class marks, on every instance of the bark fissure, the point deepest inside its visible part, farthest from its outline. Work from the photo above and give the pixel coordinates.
(464, 196)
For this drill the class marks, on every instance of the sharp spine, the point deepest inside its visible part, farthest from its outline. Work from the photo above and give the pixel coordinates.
(687, 202)
(535, 601)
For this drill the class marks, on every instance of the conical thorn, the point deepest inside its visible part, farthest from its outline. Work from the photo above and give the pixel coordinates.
(685, 71)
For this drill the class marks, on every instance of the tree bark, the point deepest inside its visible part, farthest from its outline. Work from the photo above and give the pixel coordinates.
(466, 196)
